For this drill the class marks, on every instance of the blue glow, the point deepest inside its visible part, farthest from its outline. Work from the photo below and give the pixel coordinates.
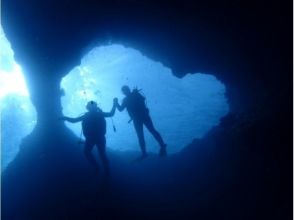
(182, 109)
(18, 115)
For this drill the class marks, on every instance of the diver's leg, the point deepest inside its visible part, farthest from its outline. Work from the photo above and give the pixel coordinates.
(88, 153)
(102, 153)
(149, 125)
(139, 130)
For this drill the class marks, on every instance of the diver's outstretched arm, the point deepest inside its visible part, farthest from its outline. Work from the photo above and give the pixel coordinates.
(72, 120)
(111, 113)
(120, 107)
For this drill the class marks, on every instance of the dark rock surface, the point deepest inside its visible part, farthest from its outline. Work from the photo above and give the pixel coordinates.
(240, 170)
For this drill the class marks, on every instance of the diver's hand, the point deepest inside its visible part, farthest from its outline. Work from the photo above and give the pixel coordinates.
(115, 101)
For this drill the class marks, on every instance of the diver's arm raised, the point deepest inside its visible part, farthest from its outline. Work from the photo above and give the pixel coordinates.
(111, 113)
(120, 107)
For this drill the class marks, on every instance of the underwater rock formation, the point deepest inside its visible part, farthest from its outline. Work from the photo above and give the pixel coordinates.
(240, 170)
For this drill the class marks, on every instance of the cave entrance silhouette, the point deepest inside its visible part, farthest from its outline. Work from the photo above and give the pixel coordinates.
(182, 109)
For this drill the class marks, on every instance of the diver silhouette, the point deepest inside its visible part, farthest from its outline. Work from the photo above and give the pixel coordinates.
(135, 104)
(94, 130)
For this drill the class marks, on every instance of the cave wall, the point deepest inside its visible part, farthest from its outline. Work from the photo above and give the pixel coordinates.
(244, 44)
(240, 48)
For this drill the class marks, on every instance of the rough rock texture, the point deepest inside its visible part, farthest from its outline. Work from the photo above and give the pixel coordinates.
(241, 170)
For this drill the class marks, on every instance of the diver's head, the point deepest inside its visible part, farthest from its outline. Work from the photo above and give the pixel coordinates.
(92, 106)
(126, 90)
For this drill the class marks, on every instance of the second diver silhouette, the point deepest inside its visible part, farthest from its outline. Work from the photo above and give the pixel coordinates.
(134, 102)
(94, 130)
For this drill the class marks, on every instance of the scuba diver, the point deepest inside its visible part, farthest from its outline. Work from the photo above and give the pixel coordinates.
(134, 102)
(94, 130)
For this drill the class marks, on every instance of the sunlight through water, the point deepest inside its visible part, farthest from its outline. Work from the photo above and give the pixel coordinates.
(182, 109)
(18, 115)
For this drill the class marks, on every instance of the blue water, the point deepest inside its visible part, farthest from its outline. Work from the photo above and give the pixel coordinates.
(182, 109)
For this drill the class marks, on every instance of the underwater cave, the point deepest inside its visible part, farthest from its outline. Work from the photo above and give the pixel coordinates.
(217, 79)
(183, 109)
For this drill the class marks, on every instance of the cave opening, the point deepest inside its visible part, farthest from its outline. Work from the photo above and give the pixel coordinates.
(182, 108)
(18, 115)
